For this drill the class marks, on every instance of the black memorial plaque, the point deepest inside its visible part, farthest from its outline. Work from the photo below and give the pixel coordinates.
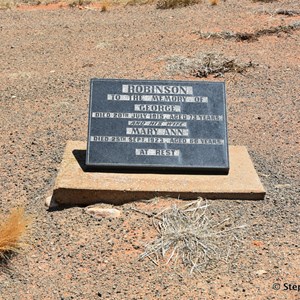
(168, 126)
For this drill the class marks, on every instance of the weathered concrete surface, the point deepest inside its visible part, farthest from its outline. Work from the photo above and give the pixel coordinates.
(75, 186)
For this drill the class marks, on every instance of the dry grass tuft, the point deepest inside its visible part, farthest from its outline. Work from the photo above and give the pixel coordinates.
(165, 4)
(139, 2)
(13, 231)
(189, 235)
(206, 64)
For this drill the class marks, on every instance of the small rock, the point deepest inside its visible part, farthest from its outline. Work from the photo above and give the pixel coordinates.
(282, 186)
(50, 203)
(261, 272)
(99, 213)
(102, 45)
(258, 243)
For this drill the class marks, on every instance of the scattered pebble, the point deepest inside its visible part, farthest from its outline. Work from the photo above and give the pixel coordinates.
(50, 203)
(258, 243)
(99, 212)
(282, 186)
(261, 272)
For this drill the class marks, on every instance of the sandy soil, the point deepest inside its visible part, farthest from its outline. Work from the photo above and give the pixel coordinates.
(47, 59)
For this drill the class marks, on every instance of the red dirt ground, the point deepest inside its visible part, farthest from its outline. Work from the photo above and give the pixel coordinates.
(47, 59)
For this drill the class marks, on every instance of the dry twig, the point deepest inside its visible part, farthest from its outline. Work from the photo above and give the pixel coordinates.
(142, 212)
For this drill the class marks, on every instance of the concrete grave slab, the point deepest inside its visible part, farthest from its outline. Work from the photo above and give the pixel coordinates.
(76, 186)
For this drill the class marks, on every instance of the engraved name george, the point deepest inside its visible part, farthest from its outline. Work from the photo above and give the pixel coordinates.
(154, 107)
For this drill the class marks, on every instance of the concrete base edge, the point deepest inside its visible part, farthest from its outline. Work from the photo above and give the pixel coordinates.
(74, 186)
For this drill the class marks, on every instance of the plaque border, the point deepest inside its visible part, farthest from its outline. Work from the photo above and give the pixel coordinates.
(157, 168)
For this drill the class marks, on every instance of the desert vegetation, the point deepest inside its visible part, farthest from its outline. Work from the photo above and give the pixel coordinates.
(205, 64)
(252, 36)
(14, 232)
(189, 235)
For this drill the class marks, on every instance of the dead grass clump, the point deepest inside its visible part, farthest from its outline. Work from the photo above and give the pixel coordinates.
(189, 235)
(13, 231)
(165, 4)
(207, 64)
(139, 2)
(246, 36)
(278, 29)
(218, 65)
(228, 35)
(5, 5)
(77, 3)
(287, 12)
